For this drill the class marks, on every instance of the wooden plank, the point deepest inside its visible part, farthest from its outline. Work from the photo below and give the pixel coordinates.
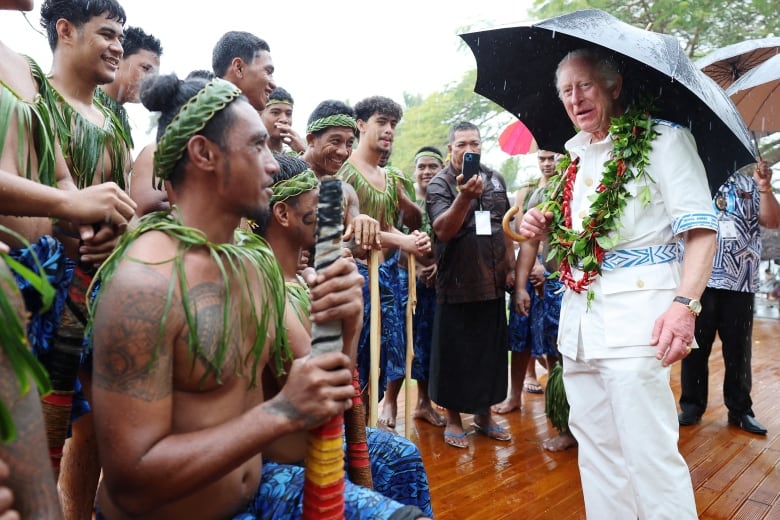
(735, 474)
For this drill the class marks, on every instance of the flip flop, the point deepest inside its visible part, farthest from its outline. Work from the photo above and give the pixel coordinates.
(533, 388)
(455, 440)
(494, 432)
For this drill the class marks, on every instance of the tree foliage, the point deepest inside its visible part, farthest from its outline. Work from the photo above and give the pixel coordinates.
(701, 25)
(427, 121)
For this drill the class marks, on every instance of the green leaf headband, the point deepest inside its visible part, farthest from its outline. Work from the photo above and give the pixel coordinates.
(278, 101)
(428, 153)
(192, 117)
(294, 186)
(336, 120)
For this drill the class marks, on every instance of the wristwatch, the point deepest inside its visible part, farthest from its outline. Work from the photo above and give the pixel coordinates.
(693, 305)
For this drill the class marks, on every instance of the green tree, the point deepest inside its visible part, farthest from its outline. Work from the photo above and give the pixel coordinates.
(427, 122)
(701, 25)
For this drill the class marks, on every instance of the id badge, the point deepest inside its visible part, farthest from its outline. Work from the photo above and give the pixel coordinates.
(482, 220)
(728, 231)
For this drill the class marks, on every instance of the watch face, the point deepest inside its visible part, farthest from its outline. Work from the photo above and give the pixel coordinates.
(695, 306)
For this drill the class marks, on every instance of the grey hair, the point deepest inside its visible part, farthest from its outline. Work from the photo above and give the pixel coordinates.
(605, 66)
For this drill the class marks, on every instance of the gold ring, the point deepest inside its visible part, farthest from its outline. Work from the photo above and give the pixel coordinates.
(688, 349)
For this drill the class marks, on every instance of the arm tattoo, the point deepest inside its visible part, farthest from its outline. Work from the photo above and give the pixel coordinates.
(282, 407)
(132, 355)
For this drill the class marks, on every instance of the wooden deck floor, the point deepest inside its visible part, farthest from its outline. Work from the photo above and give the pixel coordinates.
(736, 475)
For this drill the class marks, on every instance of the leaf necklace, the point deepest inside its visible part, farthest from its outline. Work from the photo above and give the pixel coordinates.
(632, 135)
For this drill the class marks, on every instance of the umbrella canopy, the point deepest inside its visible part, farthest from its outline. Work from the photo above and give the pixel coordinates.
(517, 139)
(728, 64)
(757, 96)
(516, 69)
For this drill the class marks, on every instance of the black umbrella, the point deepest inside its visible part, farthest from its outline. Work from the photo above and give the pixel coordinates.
(516, 69)
(729, 63)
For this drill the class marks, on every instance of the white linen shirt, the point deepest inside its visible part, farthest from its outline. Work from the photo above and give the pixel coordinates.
(627, 300)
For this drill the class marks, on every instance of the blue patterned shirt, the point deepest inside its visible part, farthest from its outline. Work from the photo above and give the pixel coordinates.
(737, 260)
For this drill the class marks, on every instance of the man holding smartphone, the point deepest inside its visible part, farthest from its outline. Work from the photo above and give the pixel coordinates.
(466, 202)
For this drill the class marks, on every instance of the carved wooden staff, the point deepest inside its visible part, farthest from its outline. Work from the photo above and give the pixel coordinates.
(323, 491)
(410, 306)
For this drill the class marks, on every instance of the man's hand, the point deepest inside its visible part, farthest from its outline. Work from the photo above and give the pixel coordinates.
(427, 275)
(472, 189)
(535, 224)
(291, 138)
(417, 243)
(317, 388)
(336, 292)
(365, 230)
(6, 495)
(537, 278)
(98, 245)
(673, 334)
(102, 204)
(762, 174)
(522, 300)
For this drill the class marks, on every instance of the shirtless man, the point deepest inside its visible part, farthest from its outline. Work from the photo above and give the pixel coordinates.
(29, 205)
(239, 57)
(184, 419)
(330, 135)
(382, 196)
(86, 41)
(396, 464)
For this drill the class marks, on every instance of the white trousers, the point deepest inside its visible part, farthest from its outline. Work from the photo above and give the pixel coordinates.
(624, 418)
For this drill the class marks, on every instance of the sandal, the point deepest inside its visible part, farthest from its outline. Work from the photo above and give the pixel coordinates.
(456, 440)
(494, 432)
(533, 388)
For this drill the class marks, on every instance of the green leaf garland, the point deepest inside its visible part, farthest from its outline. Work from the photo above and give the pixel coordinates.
(632, 136)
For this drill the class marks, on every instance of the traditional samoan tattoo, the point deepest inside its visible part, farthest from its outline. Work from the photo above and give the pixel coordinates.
(282, 407)
(208, 300)
(130, 357)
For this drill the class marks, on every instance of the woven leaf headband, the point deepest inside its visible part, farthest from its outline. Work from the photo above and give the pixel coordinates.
(336, 120)
(294, 186)
(190, 120)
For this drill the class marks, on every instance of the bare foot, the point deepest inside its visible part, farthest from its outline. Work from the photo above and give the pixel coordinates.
(562, 442)
(510, 403)
(384, 424)
(427, 413)
(386, 420)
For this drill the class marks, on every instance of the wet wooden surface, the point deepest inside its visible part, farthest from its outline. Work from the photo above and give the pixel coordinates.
(736, 475)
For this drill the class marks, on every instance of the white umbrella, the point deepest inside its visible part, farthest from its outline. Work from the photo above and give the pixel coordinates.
(757, 96)
(729, 63)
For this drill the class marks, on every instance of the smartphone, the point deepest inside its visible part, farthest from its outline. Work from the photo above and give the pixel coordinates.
(470, 165)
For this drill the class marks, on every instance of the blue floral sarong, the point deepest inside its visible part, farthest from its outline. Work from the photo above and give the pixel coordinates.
(397, 469)
(280, 495)
(59, 271)
(42, 327)
(392, 359)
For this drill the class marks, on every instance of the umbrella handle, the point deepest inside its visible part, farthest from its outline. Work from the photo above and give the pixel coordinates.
(507, 228)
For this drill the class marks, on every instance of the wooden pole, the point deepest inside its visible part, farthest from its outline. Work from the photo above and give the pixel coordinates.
(375, 338)
(411, 303)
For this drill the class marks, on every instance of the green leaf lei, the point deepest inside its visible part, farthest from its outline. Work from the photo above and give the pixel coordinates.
(248, 252)
(33, 119)
(632, 135)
